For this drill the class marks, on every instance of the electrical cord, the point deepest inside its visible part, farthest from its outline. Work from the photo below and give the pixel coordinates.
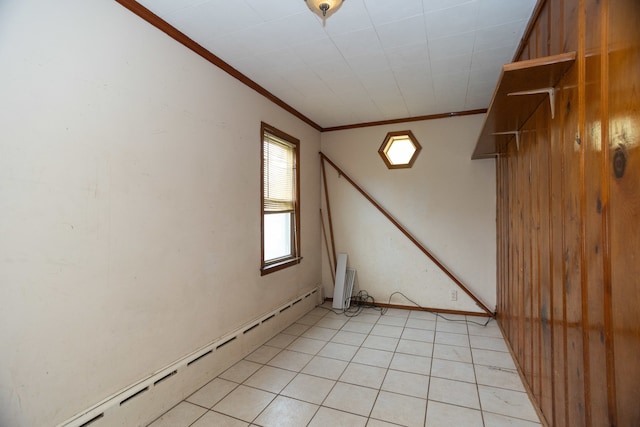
(357, 303)
(437, 314)
(362, 300)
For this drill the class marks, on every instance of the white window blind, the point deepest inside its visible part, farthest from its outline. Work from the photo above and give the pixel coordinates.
(279, 183)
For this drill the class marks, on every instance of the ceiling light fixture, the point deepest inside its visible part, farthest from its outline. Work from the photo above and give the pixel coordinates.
(324, 8)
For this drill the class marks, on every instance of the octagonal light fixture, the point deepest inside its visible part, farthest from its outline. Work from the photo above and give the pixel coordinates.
(399, 149)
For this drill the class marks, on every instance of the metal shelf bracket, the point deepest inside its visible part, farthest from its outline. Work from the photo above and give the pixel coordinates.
(551, 91)
(511, 132)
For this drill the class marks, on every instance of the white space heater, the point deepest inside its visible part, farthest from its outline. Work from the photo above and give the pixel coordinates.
(344, 283)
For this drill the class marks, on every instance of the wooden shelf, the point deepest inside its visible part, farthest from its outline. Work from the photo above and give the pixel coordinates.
(508, 113)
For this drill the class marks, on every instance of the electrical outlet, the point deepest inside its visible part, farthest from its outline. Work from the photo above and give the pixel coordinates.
(453, 295)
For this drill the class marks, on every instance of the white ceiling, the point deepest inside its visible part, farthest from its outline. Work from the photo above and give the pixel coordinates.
(375, 59)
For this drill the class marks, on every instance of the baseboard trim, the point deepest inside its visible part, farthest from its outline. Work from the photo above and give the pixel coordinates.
(429, 309)
(147, 399)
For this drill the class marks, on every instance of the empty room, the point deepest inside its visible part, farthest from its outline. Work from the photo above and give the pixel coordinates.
(319, 213)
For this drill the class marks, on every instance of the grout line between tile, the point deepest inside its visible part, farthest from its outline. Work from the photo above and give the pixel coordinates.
(475, 377)
(350, 361)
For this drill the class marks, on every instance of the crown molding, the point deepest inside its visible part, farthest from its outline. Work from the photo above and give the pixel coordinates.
(407, 119)
(153, 19)
(183, 39)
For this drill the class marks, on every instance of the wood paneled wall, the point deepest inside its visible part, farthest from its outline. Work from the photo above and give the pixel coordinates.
(569, 220)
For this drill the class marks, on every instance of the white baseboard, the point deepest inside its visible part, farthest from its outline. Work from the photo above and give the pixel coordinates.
(144, 401)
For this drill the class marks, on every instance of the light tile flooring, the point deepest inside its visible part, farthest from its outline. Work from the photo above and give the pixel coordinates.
(405, 368)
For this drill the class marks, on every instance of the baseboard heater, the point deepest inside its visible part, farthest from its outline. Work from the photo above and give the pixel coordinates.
(171, 384)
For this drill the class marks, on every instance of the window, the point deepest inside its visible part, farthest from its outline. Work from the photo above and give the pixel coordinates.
(399, 149)
(280, 200)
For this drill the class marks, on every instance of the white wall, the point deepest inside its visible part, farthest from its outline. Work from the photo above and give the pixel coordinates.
(129, 200)
(445, 200)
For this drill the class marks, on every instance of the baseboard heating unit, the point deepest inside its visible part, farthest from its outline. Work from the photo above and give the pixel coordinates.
(142, 402)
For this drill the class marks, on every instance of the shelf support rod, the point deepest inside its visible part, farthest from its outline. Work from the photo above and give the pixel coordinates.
(407, 234)
(548, 90)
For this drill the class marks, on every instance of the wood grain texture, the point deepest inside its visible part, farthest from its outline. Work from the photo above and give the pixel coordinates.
(592, 244)
(568, 214)
(542, 176)
(558, 306)
(556, 27)
(509, 112)
(572, 237)
(624, 202)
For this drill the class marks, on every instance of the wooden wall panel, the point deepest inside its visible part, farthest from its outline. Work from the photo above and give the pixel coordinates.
(569, 221)
(543, 39)
(520, 312)
(534, 252)
(542, 176)
(597, 399)
(555, 26)
(570, 16)
(540, 374)
(572, 251)
(525, 244)
(525, 53)
(624, 202)
(558, 306)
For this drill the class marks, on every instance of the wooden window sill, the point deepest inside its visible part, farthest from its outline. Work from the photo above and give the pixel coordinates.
(272, 268)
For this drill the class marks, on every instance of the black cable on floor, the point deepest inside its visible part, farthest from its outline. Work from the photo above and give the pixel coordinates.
(437, 314)
(363, 300)
(357, 303)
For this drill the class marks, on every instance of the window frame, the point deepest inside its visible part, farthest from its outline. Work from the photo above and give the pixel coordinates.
(388, 142)
(295, 257)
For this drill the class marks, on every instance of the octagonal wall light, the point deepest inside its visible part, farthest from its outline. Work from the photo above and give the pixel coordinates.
(399, 149)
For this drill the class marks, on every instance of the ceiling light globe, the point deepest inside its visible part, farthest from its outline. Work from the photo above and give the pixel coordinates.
(324, 8)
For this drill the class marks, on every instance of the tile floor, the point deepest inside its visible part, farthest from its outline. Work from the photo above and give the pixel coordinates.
(406, 368)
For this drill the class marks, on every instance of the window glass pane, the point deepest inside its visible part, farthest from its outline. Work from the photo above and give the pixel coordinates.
(400, 151)
(277, 235)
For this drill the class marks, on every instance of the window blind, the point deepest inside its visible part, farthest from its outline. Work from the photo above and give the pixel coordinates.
(279, 191)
